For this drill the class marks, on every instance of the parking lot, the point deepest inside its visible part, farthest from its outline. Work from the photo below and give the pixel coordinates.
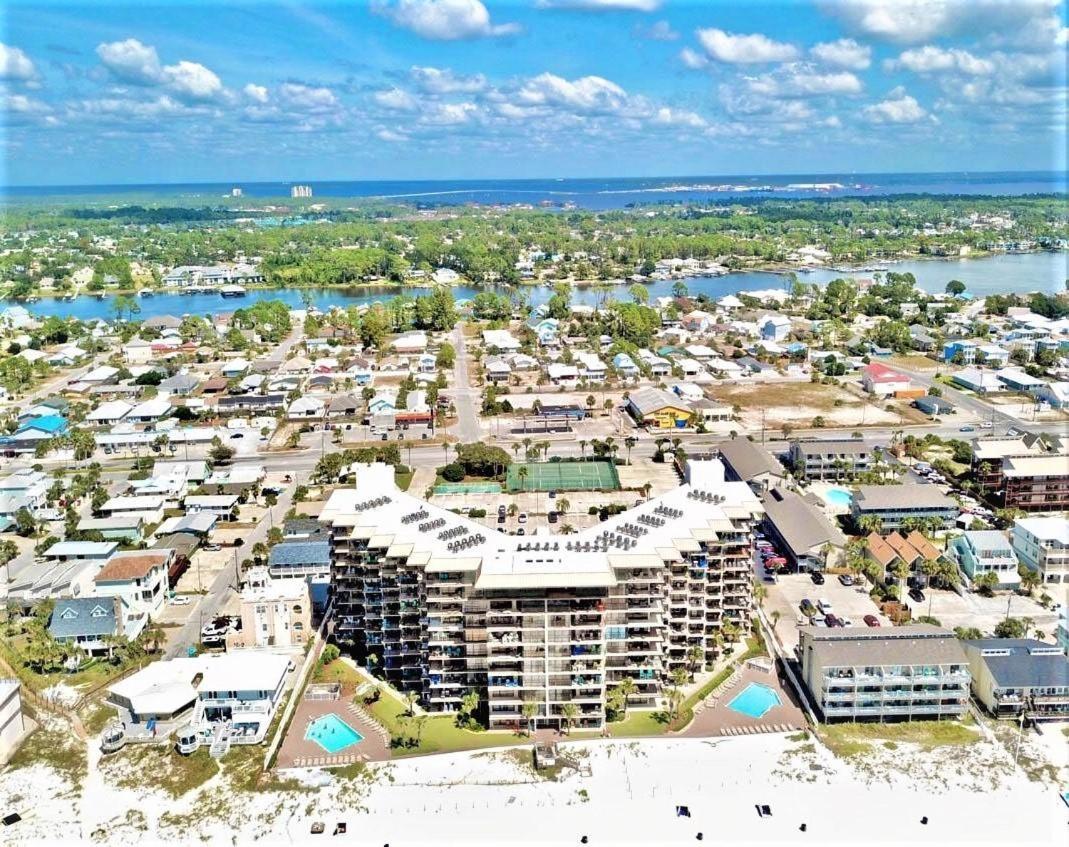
(785, 596)
(974, 610)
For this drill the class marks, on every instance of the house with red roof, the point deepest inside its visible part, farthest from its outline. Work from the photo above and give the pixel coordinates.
(882, 381)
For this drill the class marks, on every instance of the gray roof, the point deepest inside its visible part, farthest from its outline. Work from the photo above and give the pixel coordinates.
(904, 496)
(648, 400)
(901, 645)
(855, 446)
(748, 460)
(180, 382)
(1023, 662)
(85, 616)
(300, 553)
(199, 522)
(81, 549)
(801, 526)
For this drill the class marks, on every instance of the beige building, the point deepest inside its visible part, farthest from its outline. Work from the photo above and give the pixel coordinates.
(12, 724)
(274, 613)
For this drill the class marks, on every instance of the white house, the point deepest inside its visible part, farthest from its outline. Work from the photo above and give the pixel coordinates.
(561, 374)
(148, 507)
(591, 368)
(137, 351)
(139, 580)
(306, 407)
(881, 381)
(500, 340)
(410, 342)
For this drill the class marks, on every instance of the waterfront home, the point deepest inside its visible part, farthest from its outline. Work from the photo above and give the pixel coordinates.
(979, 552)
(802, 530)
(1042, 545)
(773, 327)
(658, 409)
(895, 505)
(138, 579)
(881, 381)
(885, 673)
(86, 623)
(1015, 677)
(751, 463)
(218, 698)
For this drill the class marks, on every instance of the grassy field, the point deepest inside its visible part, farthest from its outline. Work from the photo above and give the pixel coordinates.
(440, 733)
(639, 724)
(787, 394)
(916, 362)
(170, 772)
(857, 739)
(338, 671)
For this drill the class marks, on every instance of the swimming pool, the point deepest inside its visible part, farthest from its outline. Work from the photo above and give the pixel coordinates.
(754, 700)
(838, 497)
(332, 733)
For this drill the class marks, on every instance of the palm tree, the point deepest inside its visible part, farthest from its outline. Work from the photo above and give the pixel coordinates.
(630, 442)
(695, 655)
(582, 448)
(646, 489)
(563, 505)
(411, 697)
(516, 449)
(468, 704)
(569, 711)
(627, 689)
(523, 473)
(529, 710)
(674, 698)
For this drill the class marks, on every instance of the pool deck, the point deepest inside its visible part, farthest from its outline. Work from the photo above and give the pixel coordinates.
(713, 717)
(300, 752)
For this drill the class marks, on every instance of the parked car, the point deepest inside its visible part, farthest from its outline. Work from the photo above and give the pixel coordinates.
(831, 620)
(825, 606)
(181, 600)
(522, 518)
(967, 428)
(917, 595)
(846, 579)
(807, 607)
(871, 620)
(817, 577)
(213, 548)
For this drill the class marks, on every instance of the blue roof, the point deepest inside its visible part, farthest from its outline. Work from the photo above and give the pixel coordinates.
(86, 616)
(48, 423)
(300, 553)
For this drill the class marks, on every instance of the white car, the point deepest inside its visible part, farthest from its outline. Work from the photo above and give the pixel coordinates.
(825, 607)
(987, 425)
(181, 600)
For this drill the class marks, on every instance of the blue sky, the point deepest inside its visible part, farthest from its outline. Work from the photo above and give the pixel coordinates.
(108, 92)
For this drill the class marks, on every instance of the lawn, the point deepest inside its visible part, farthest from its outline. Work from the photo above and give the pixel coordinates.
(440, 732)
(95, 673)
(855, 739)
(338, 671)
(639, 724)
(403, 480)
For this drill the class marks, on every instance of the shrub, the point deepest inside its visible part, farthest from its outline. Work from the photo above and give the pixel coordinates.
(329, 654)
(453, 472)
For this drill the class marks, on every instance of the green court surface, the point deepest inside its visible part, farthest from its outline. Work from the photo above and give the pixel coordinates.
(563, 476)
(467, 488)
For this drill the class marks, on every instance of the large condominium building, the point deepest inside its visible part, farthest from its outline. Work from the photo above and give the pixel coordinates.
(440, 604)
(1042, 544)
(908, 672)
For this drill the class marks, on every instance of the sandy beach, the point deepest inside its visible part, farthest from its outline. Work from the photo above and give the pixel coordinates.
(623, 793)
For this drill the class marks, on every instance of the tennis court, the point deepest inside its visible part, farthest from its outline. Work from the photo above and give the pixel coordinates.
(563, 476)
(468, 488)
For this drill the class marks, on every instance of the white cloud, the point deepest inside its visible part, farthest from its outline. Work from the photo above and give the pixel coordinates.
(659, 31)
(675, 117)
(124, 107)
(744, 49)
(444, 81)
(391, 136)
(899, 108)
(692, 59)
(843, 53)
(307, 98)
(586, 94)
(448, 114)
(256, 92)
(802, 80)
(396, 99)
(917, 21)
(930, 59)
(602, 5)
(16, 65)
(192, 80)
(443, 20)
(20, 104)
(131, 61)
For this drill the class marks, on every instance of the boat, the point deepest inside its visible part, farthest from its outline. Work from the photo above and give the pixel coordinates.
(232, 291)
(145, 292)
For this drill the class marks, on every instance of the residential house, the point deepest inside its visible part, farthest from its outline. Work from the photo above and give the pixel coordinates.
(497, 370)
(1015, 678)
(921, 338)
(410, 342)
(86, 623)
(1054, 394)
(774, 327)
(978, 552)
(500, 341)
(119, 528)
(109, 413)
(179, 385)
(148, 507)
(895, 506)
(1042, 545)
(960, 351)
(307, 407)
(222, 506)
(1036, 483)
(934, 406)
(137, 351)
(885, 673)
(275, 613)
(975, 379)
(1016, 379)
(893, 550)
(138, 579)
(153, 409)
(96, 552)
(562, 374)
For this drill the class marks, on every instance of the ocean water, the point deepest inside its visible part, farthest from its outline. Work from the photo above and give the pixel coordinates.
(583, 193)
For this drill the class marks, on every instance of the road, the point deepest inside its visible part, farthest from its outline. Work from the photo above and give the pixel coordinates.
(466, 399)
(225, 581)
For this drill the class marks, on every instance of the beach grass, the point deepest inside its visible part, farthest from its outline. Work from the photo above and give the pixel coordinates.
(57, 749)
(847, 740)
(139, 766)
(96, 717)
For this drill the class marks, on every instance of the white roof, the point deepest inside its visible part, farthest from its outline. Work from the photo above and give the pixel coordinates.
(157, 407)
(1049, 529)
(99, 374)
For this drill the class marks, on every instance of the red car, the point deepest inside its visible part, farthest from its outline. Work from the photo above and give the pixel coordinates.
(871, 620)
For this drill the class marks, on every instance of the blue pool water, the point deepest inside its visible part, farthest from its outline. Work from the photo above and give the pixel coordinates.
(754, 700)
(332, 733)
(838, 497)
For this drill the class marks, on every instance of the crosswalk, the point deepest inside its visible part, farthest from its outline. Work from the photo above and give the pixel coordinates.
(758, 729)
